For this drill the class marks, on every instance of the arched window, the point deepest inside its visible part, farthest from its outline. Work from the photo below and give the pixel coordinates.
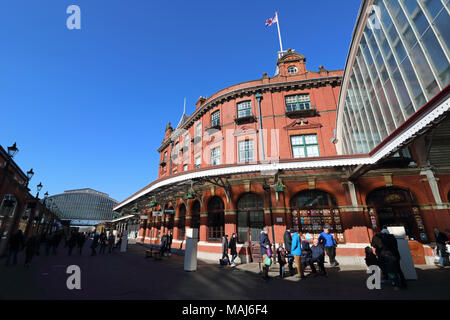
(250, 217)
(313, 198)
(216, 219)
(181, 222)
(313, 210)
(195, 215)
(390, 196)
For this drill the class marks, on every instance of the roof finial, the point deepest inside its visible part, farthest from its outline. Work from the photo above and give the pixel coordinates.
(183, 116)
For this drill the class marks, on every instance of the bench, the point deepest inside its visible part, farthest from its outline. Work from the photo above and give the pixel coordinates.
(153, 253)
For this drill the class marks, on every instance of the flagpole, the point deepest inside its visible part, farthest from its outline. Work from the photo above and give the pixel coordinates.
(279, 33)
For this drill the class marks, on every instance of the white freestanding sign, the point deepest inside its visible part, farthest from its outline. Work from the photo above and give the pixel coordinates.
(123, 246)
(190, 253)
(406, 261)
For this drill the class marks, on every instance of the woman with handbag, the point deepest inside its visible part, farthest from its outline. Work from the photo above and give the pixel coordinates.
(266, 252)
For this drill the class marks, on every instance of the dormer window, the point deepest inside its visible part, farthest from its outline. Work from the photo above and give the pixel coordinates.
(292, 70)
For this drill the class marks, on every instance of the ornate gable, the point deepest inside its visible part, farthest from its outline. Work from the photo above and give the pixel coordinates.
(302, 124)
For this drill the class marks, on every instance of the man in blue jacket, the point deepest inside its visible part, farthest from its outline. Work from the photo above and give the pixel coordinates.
(327, 240)
(296, 251)
(265, 246)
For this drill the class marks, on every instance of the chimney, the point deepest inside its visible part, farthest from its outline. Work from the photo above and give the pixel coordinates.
(200, 102)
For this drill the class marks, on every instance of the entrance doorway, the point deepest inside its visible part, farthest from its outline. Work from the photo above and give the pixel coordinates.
(216, 219)
(397, 207)
(250, 218)
(195, 215)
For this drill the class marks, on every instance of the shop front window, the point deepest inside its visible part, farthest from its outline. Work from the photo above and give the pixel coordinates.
(312, 210)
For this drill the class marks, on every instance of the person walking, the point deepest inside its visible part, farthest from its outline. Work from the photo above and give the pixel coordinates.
(377, 243)
(318, 256)
(15, 244)
(441, 247)
(81, 239)
(163, 245)
(225, 250)
(265, 251)
(48, 243)
(169, 243)
(233, 249)
(391, 257)
(287, 237)
(296, 250)
(306, 255)
(371, 258)
(281, 254)
(111, 242)
(30, 250)
(55, 242)
(103, 240)
(119, 240)
(94, 244)
(327, 240)
(72, 241)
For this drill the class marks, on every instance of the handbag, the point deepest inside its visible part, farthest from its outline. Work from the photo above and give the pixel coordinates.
(269, 252)
(268, 261)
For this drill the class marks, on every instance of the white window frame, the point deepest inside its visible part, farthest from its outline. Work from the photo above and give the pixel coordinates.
(215, 156)
(246, 144)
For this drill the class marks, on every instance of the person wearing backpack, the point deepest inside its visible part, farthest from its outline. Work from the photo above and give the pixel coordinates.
(265, 251)
(296, 251)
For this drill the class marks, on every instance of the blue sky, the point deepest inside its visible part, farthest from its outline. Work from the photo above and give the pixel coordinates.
(88, 107)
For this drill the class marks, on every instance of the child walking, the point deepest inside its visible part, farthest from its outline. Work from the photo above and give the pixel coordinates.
(281, 252)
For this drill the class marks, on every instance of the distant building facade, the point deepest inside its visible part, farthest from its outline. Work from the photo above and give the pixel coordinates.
(84, 207)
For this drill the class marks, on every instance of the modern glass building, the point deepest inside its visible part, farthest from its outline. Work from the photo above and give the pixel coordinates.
(399, 60)
(83, 206)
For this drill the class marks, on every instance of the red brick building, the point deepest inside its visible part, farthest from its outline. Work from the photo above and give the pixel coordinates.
(18, 208)
(262, 153)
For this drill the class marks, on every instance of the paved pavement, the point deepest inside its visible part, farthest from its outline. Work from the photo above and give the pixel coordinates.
(131, 276)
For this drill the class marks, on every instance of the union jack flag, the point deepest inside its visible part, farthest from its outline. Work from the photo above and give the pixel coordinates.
(271, 21)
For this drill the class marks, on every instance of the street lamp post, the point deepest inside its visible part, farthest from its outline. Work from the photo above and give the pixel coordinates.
(30, 175)
(38, 221)
(38, 187)
(12, 151)
(266, 188)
